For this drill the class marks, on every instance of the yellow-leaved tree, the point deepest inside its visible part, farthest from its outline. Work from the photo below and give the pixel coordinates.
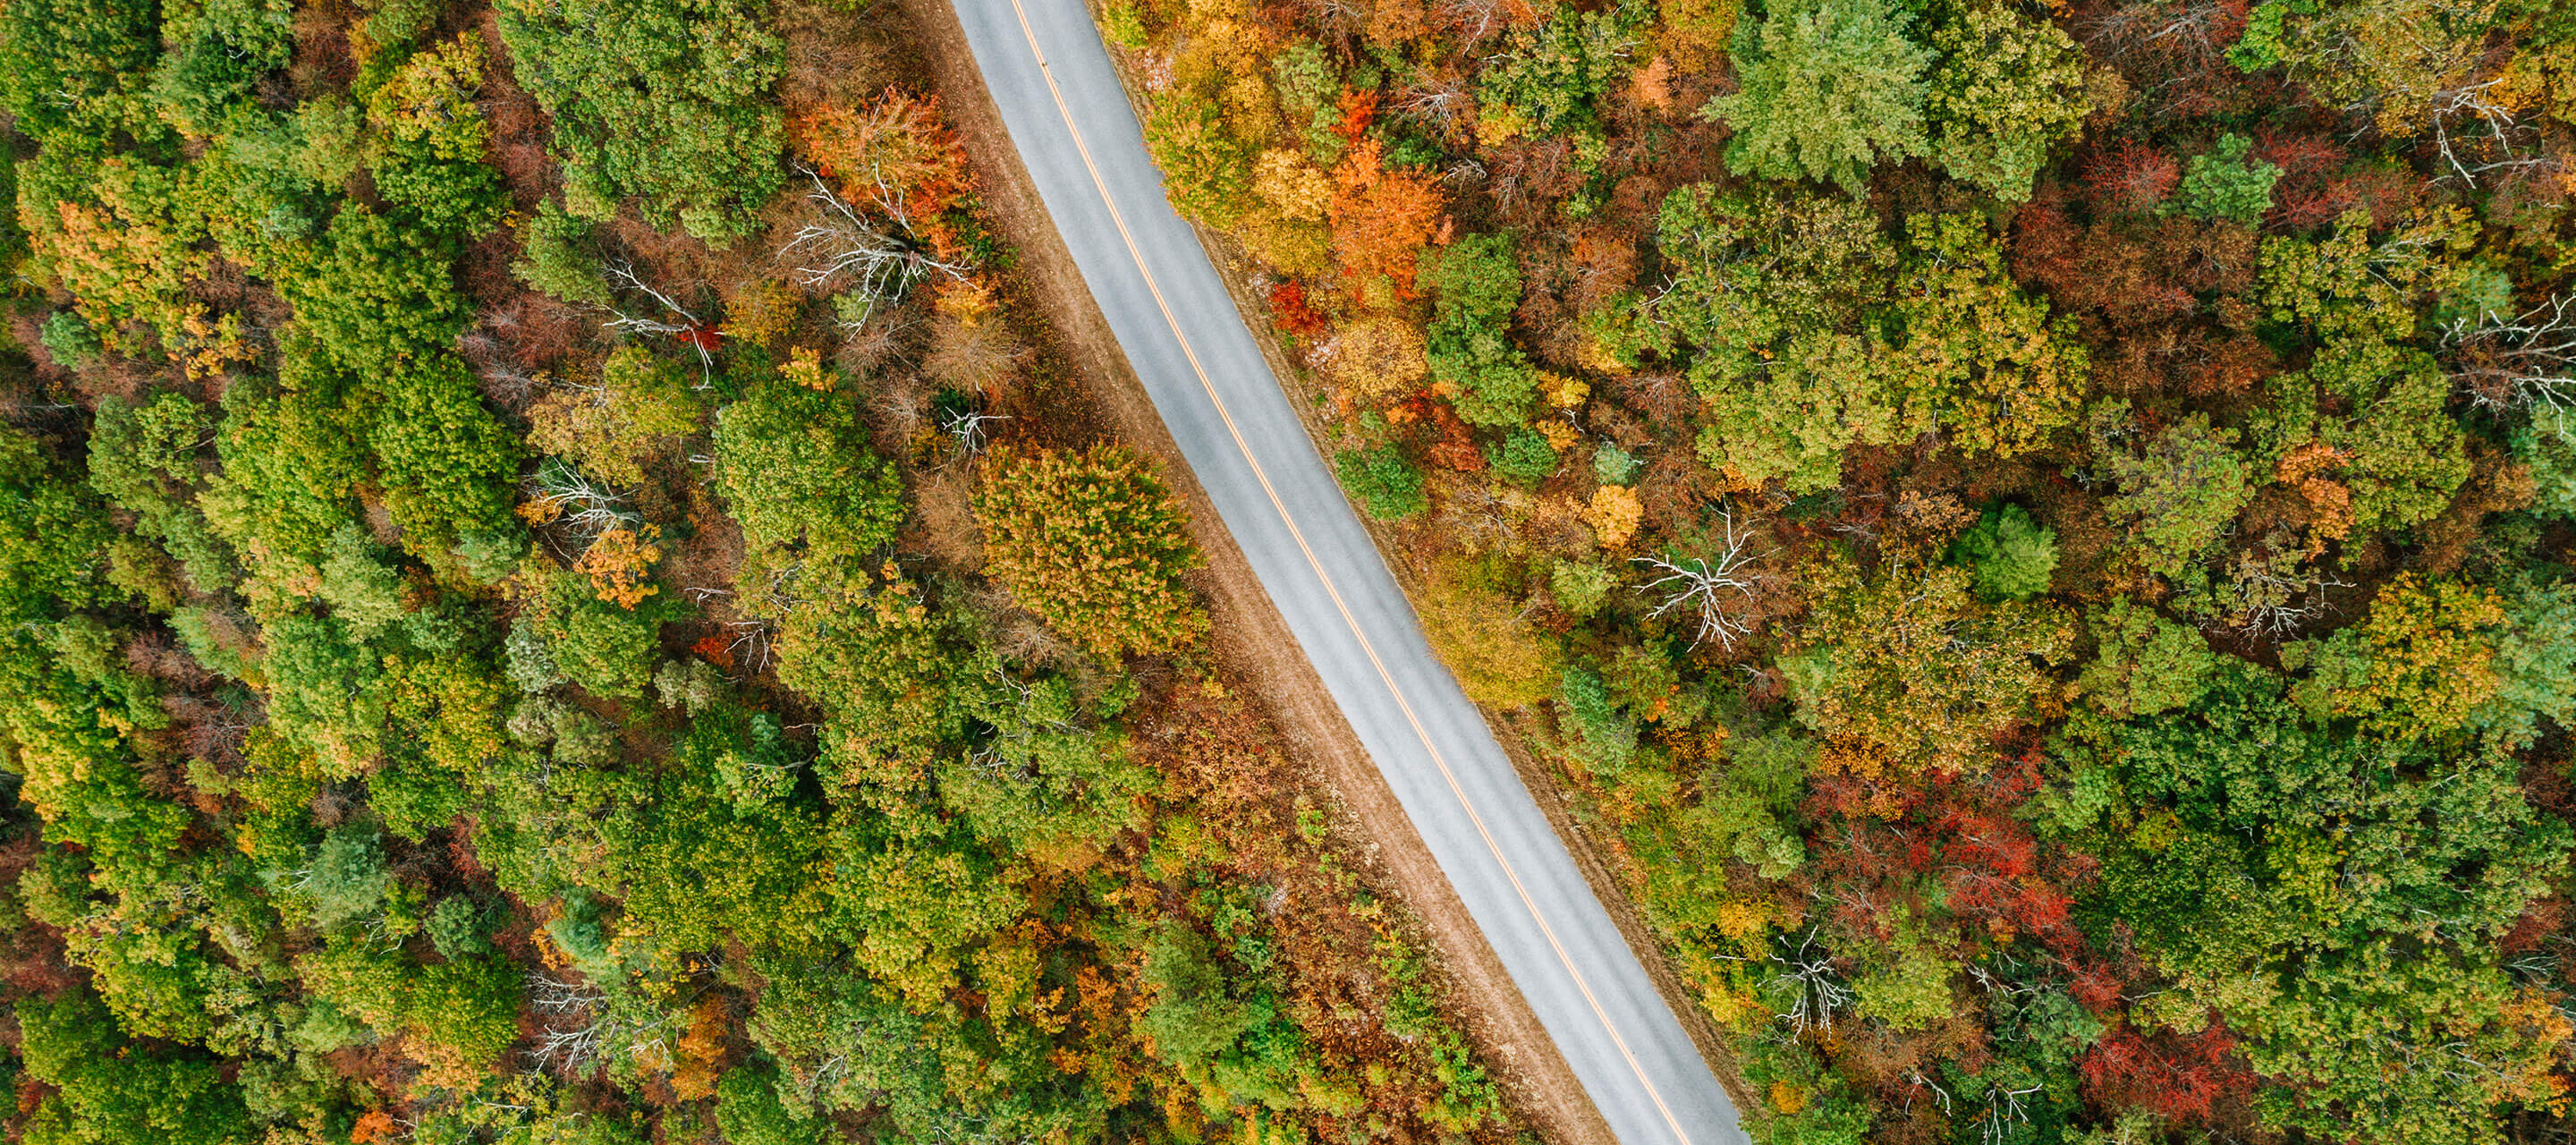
(1093, 544)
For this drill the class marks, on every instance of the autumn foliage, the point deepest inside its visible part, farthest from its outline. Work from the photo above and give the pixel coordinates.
(1091, 542)
(1380, 218)
(895, 154)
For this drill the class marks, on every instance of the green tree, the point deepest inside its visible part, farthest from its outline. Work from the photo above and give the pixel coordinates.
(2221, 184)
(1975, 348)
(2010, 555)
(605, 648)
(2337, 897)
(2383, 411)
(2421, 664)
(2144, 664)
(1551, 72)
(72, 74)
(2535, 660)
(217, 55)
(1524, 456)
(1581, 588)
(444, 460)
(640, 407)
(749, 1111)
(795, 469)
(1207, 167)
(346, 879)
(1753, 269)
(555, 256)
(712, 847)
(1043, 785)
(428, 141)
(2006, 92)
(1907, 659)
(1386, 483)
(70, 339)
(2182, 491)
(1476, 283)
(326, 692)
(1499, 657)
(1093, 544)
(378, 292)
(664, 101)
(1825, 90)
(1791, 418)
(1218, 1026)
(2547, 447)
(1592, 728)
(110, 1091)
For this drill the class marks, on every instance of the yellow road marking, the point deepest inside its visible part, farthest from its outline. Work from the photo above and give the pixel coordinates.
(1299, 535)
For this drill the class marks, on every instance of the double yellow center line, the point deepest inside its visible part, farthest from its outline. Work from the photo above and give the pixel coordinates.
(1326, 580)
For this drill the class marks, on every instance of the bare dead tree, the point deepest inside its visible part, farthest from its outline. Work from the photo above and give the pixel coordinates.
(2475, 135)
(2003, 1108)
(583, 506)
(2274, 592)
(842, 245)
(575, 1031)
(751, 645)
(1707, 584)
(1440, 103)
(967, 428)
(621, 275)
(2524, 362)
(1807, 980)
(1914, 1077)
(1476, 19)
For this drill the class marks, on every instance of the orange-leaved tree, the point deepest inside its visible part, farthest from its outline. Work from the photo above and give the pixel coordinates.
(1380, 218)
(896, 155)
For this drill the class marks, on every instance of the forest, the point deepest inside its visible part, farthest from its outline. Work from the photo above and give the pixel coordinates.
(555, 591)
(2033, 536)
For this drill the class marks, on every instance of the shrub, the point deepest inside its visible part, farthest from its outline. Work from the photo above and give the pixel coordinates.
(1124, 27)
(1386, 484)
(1581, 588)
(1612, 465)
(1499, 657)
(456, 928)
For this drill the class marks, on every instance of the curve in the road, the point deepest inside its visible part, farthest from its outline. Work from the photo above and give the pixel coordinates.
(1624, 1080)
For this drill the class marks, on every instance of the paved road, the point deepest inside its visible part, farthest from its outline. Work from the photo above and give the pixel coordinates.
(1051, 77)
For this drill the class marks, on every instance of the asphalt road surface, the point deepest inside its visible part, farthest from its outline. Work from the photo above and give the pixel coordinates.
(1051, 77)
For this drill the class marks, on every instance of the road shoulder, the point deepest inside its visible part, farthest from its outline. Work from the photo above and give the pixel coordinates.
(1249, 633)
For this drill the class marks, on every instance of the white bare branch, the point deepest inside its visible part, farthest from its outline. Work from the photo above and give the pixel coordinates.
(2475, 135)
(1707, 585)
(1814, 991)
(586, 507)
(622, 274)
(843, 245)
(967, 428)
(2523, 362)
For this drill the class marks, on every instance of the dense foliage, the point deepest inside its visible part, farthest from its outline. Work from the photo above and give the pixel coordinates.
(2065, 625)
(497, 643)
